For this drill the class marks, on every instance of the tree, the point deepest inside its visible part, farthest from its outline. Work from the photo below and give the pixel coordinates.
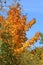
(33, 57)
(13, 36)
(41, 38)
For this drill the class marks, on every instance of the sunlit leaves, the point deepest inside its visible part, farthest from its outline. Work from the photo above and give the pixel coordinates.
(29, 42)
(29, 24)
(16, 25)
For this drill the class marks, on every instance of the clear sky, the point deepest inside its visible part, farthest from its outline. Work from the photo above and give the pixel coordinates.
(33, 9)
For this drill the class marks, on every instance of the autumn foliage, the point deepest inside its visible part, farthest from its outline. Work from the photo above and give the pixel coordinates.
(13, 40)
(15, 26)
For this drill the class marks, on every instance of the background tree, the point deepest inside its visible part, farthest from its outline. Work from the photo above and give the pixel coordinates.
(41, 38)
(33, 57)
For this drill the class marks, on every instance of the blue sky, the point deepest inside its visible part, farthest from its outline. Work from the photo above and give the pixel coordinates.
(33, 9)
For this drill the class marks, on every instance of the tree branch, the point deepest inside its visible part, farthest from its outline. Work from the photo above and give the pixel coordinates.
(29, 24)
(28, 43)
